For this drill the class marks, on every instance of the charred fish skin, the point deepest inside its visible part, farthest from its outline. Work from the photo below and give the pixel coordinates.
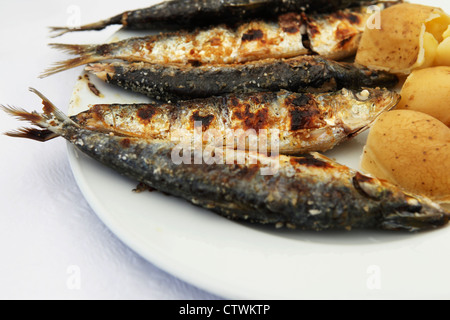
(194, 13)
(241, 192)
(282, 36)
(247, 41)
(301, 74)
(293, 123)
(308, 192)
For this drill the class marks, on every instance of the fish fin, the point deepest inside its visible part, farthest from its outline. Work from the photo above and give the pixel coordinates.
(86, 55)
(41, 135)
(50, 110)
(23, 115)
(48, 120)
(59, 31)
(100, 25)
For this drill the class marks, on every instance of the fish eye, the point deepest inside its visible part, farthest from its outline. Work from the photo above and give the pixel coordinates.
(363, 95)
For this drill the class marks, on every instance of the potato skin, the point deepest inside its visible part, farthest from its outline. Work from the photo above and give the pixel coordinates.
(428, 91)
(412, 150)
(396, 46)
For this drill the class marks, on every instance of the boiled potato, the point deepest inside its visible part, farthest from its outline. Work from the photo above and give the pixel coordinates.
(443, 53)
(412, 150)
(428, 91)
(408, 39)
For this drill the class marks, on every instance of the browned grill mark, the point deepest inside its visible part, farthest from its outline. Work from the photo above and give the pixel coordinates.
(347, 16)
(195, 63)
(304, 113)
(215, 42)
(341, 44)
(103, 50)
(290, 22)
(234, 101)
(125, 143)
(205, 120)
(96, 111)
(256, 121)
(149, 46)
(344, 33)
(146, 113)
(310, 161)
(252, 35)
(313, 30)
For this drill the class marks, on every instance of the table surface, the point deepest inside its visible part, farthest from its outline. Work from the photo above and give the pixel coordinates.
(52, 243)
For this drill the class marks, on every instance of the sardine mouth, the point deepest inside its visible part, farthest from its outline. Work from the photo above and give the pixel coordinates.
(416, 214)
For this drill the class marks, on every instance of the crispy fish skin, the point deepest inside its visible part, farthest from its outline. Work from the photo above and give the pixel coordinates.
(194, 13)
(283, 36)
(305, 122)
(308, 192)
(221, 44)
(300, 74)
(336, 35)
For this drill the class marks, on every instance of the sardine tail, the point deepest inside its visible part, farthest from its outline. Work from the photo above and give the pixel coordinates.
(32, 117)
(41, 135)
(59, 31)
(100, 25)
(86, 55)
(50, 110)
(47, 121)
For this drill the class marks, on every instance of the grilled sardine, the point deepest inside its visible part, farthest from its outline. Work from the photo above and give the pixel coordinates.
(194, 13)
(308, 192)
(301, 74)
(281, 37)
(297, 122)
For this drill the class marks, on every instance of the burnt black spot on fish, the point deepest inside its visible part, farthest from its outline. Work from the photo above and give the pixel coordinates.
(103, 50)
(310, 161)
(195, 63)
(313, 30)
(343, 42)
(234, 101)
(256, 121)
(125, 143)
(301, 100)
(344, 33)
(353, 18)
(347, 16)
(290, 23)
(253, 35)
(205, 120)
(96, 111)
(255, 100)
(146, 113)
(304, 113)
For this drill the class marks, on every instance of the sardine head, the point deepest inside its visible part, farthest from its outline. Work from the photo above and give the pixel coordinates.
(358, 109)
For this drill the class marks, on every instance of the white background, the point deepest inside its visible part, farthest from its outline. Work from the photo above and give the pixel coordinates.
(49, 235)
(48, 232)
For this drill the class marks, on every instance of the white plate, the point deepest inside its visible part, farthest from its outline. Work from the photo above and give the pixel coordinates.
(240, 261)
